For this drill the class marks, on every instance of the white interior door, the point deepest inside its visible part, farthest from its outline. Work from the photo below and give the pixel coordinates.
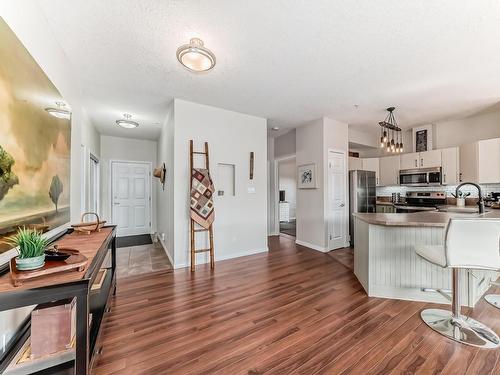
(337, 217)
(131, 197)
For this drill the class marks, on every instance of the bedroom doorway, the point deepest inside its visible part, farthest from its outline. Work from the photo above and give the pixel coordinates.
(287, 196)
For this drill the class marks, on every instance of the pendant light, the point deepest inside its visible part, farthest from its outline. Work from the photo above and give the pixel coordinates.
(390, 129)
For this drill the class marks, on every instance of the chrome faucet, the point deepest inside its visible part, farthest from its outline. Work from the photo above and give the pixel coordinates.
(480, 203)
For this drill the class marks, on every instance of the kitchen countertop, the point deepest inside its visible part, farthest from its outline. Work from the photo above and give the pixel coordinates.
(420, 219)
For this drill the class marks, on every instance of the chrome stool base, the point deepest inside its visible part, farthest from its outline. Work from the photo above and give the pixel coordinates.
(493, 299)
(462, 329)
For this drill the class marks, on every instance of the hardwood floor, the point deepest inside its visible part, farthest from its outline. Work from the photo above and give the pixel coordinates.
(292, 311)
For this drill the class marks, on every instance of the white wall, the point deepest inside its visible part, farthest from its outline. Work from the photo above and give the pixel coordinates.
(310, 202)
(284, 145)
(314, 140)
(474, 128)
(165, 202)
(240, 221)
(125, 149)
(287, 173)
(28, 23)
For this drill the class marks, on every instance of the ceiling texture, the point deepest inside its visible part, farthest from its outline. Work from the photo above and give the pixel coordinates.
(290, 61)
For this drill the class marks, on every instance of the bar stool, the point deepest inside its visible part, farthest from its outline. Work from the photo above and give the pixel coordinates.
(493, 299)
(470, 243)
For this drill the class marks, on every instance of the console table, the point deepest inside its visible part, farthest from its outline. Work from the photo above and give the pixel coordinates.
(71, 284)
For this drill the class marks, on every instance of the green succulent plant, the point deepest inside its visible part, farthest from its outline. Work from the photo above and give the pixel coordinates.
(31, 243)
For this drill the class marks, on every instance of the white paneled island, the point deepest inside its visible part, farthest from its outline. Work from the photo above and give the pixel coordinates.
(387, 266)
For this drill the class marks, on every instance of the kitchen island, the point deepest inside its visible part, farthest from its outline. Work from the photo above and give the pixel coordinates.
(387, 266)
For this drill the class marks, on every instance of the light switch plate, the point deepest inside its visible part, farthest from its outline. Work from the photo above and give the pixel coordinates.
(251, 190)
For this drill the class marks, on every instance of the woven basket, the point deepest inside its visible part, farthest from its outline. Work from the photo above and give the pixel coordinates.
(91, 226)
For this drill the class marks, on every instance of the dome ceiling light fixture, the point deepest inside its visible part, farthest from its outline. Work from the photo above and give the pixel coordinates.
(390, 133)
(59, 112)
(195, 56)
(127, 123)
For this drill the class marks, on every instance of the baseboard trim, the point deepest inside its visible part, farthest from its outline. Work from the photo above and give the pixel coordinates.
(227, 257)
(312, 246)
(166, 251)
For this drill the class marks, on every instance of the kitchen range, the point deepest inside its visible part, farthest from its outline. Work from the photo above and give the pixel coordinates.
(417, 201)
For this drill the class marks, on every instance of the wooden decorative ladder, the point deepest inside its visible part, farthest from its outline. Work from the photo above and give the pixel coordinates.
(195, 228)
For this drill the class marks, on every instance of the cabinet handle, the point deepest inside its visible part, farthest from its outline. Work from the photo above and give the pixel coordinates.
(421, 162)
(460, 178)
(416, 163)
(444, 178)
(377, 180)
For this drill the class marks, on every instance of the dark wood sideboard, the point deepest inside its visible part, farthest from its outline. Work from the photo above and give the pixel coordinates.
(72, 284)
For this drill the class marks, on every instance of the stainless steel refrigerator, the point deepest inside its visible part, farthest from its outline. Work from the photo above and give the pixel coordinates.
(362, 195)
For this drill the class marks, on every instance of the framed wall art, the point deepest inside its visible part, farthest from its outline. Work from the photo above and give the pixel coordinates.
(306, 176)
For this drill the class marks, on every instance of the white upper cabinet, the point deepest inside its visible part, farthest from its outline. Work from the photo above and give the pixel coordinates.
(430, 159)
(480, 162)
(410, 161)
(450, 164)
(489, 161)
(427, 159)
(469, 156)
(355, 163)
(389, 170)
(372, 164)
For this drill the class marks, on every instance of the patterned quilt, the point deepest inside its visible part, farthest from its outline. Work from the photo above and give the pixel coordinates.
(202, 205)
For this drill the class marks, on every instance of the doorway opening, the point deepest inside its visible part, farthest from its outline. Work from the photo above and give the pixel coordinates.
(287, 194)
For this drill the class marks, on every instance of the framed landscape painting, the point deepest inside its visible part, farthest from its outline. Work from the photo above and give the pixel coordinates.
(34, 145)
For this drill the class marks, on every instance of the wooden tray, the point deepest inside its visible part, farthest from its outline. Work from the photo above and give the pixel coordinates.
(74, 262)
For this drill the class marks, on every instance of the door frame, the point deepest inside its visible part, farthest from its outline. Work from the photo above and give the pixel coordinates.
(327, 199)
(276, 219)
(150, 165)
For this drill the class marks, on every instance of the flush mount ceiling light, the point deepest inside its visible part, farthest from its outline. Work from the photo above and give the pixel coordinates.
(275, 128)
(195, 56)
(389, 130)
(59, 112)
(127, 123)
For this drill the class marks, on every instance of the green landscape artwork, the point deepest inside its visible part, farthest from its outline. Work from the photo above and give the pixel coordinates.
(34, 146)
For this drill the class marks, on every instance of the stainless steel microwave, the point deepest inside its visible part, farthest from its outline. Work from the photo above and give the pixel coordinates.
(420, 177)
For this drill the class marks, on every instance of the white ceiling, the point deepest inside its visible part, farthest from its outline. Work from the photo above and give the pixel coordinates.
(288, 61)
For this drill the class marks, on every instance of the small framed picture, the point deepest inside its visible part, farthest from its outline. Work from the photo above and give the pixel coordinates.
(306, 176)
(422, 138)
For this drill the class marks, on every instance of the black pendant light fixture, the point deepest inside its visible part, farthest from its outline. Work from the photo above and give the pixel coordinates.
(390, 133)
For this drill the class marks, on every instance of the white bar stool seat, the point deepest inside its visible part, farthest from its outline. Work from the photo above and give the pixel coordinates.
(471, 244)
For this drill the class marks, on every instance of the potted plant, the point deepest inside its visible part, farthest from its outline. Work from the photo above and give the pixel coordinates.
(31, 247)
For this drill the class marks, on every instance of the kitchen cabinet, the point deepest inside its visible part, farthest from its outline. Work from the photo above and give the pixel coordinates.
(489, 161)
(385, 209)
(430, 159)
(389, 170)
(372, 164)
(410, 161)
(427, 159)
(480, 161)
(450, 166)
(355, 163)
